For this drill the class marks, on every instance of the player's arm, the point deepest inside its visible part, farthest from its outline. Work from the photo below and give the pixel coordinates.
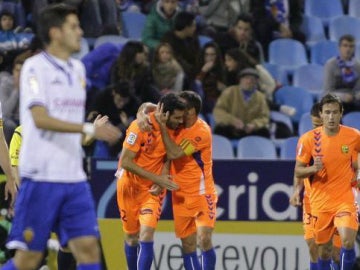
(298, 186)
(44, 121)
(14, 150)
(302, 170)
(155, 188)
(127, 163)
(142, 116)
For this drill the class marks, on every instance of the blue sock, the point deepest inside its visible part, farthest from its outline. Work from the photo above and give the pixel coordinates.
(347, 258)
(9, 265)
(146, 255)
(313, 266)
(191, 261)
(131, 256)
(208, 259)
(324, 264)
(334, 265)
(92, 266)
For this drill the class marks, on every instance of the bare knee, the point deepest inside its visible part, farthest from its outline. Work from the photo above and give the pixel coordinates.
(313, 250)
(85, 249)
(325, 251)
(27, 260)
(189, 244)
(132, 239)
(204, 238)
(146, 234)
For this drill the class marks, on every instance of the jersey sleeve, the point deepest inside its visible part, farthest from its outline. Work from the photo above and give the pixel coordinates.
(134, 138)
(14, 147)
(195, 141)
(303, 149)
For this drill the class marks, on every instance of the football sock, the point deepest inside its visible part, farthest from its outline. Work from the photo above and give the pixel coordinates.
(208, 259)
(131, 256)
(92, 266)
(191, 261)
(313, 266)
(9, 266)
(347, 258)
(324, 264)
(145, 256)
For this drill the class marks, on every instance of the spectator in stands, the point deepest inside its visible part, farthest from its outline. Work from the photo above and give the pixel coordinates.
(221, 14)
(342, 75)
(211, 76)
(159, 21)
(242, 110)
(185, 43)
(132, 66)
(277, 19)
(167, 72)
(240, 35)
(9, 95)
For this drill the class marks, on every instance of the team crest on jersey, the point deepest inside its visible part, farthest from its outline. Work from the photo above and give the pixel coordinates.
(131, 139)
(34, 85)
(28, 234)
(345, 149)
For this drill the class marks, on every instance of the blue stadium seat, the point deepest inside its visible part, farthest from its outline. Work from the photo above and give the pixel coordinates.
(344, 25)
(203, 40)
(313, 29)
(352, 119)
(297, 97)
(357, 51)
(133, 24)
(288, 148)
(288, 54)
(256, 147)
(322, 51)
(278, 74)
(324, 9)
(221, 147)
(83, 50)
(311, 78)
(211, 120)
(280, 117)
(354, 8)
(305, 123)
(114, 39)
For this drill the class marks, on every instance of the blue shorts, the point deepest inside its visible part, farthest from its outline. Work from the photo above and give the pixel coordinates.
(42, 207)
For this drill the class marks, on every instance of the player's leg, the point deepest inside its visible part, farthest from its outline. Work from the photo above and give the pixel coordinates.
(308, 227)
(191, 261)
(347, 225)
(77, 227)
(313, 253)
(335, 257)
(149, 215)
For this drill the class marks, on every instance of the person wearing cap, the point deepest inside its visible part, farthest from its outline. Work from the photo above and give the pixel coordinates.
(242, 110)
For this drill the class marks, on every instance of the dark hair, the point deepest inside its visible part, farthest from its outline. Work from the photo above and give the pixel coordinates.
(244, 17)
(122, 88)
(315, 110)
(7, 14)
(172, 102)
(330, 98)
(183, 20)
(52, 16)
(193, 100)
(347, 37)
(218, 67)
(240, 57)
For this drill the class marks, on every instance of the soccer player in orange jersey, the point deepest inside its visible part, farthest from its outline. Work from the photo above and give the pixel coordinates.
(194, 204)
(325, 155)
(141, 165)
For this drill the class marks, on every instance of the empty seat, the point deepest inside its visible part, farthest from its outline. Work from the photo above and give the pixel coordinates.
(324, 9)
(288, 54)
(280, 117)
(344, 25)
(278, 74)
(354, 8)
(133, 24)
(288, 148)
(313, 29)
(310, 77)
(256, 147)
(305, 123)
(221, 147)
(297, 97)
(114, 39)
(352, 119)
(322, 51)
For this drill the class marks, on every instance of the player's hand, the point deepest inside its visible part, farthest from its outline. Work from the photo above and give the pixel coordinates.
(318, 164)
(295, 199)
(108, 132)
(155, 190)
(101, 120)
(165, 181)
(11, 190)
(160, 116)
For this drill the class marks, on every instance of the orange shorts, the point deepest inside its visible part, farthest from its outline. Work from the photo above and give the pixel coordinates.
(191, 212)
(308, 225)
(137, 207)
(325, 223)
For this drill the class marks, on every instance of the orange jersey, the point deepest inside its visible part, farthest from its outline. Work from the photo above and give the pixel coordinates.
(193, 172)
(331, 186)
(150, 152)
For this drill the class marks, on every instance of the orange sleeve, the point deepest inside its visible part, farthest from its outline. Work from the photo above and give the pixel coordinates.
(133, 138)
(195, 141)
(303, 149)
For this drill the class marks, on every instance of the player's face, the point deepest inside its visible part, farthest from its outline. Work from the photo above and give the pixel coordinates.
(70, 34)
(175, 119)
(316, 121)
(190, 117)
(331, 115)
